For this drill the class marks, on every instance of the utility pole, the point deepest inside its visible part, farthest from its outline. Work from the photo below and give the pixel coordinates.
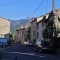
(53, 5)
(51, 22)
(50, 26)
(53, 10)
(53, 16)
(53, 27)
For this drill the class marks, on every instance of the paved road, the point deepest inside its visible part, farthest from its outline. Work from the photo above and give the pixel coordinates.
(20, 52)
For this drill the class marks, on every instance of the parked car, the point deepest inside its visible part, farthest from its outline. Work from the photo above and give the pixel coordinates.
(43, 47)
(30, 44)
(26, 43)
(3, 42)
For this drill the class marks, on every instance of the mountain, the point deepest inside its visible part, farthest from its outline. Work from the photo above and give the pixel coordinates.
(17, 23)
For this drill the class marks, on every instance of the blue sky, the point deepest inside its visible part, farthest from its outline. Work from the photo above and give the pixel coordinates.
(23, 9)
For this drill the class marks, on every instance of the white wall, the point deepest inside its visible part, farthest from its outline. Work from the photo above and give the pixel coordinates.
(39, 30)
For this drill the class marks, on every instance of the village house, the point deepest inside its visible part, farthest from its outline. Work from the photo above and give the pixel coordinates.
(42, 23)
(23, 34)
(4, 28)
(39, 24)
(33, 29)
(39, 28)
(52, 29)
(20, 35)
(55, 21)
(36, 28)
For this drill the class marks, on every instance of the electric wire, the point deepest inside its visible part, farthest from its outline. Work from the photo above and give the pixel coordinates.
(12, 3)
(37, 8)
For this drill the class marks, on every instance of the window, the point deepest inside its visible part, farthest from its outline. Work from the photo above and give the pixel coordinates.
(37, 34)
(38, 26)
(33, 33)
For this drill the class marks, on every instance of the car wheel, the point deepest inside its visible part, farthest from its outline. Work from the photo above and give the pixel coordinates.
(40, 50)
(36, 49)
(3, 45)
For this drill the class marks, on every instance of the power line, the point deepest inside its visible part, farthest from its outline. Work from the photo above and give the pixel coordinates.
(12, 3)
(37, 8)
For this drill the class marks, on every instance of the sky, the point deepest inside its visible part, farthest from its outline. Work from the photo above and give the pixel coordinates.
(21, 9)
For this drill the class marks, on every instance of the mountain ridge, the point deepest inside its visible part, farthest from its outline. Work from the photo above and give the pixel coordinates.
(17, 24)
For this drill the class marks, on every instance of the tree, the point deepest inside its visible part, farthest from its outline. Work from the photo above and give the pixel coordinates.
(29, 31)
(10, 39)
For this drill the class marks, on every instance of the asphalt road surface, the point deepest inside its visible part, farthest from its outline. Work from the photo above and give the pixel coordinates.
(20, 52)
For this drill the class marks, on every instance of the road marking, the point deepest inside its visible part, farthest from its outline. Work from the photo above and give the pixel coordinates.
(31, 54)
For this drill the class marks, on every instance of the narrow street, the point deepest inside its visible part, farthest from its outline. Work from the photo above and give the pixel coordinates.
(29, 22)
(19, 52)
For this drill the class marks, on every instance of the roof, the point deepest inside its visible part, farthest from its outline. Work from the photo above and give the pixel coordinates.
(39, 19)
(20, 28)
(34, 19)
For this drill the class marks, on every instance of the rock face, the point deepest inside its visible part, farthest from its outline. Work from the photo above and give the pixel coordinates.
(4, 28)
(7, 26)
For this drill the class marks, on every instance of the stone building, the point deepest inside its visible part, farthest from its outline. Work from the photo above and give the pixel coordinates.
(20, 38)
(23, 34)
(39, 29)
(33, 29)
(39, 24)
